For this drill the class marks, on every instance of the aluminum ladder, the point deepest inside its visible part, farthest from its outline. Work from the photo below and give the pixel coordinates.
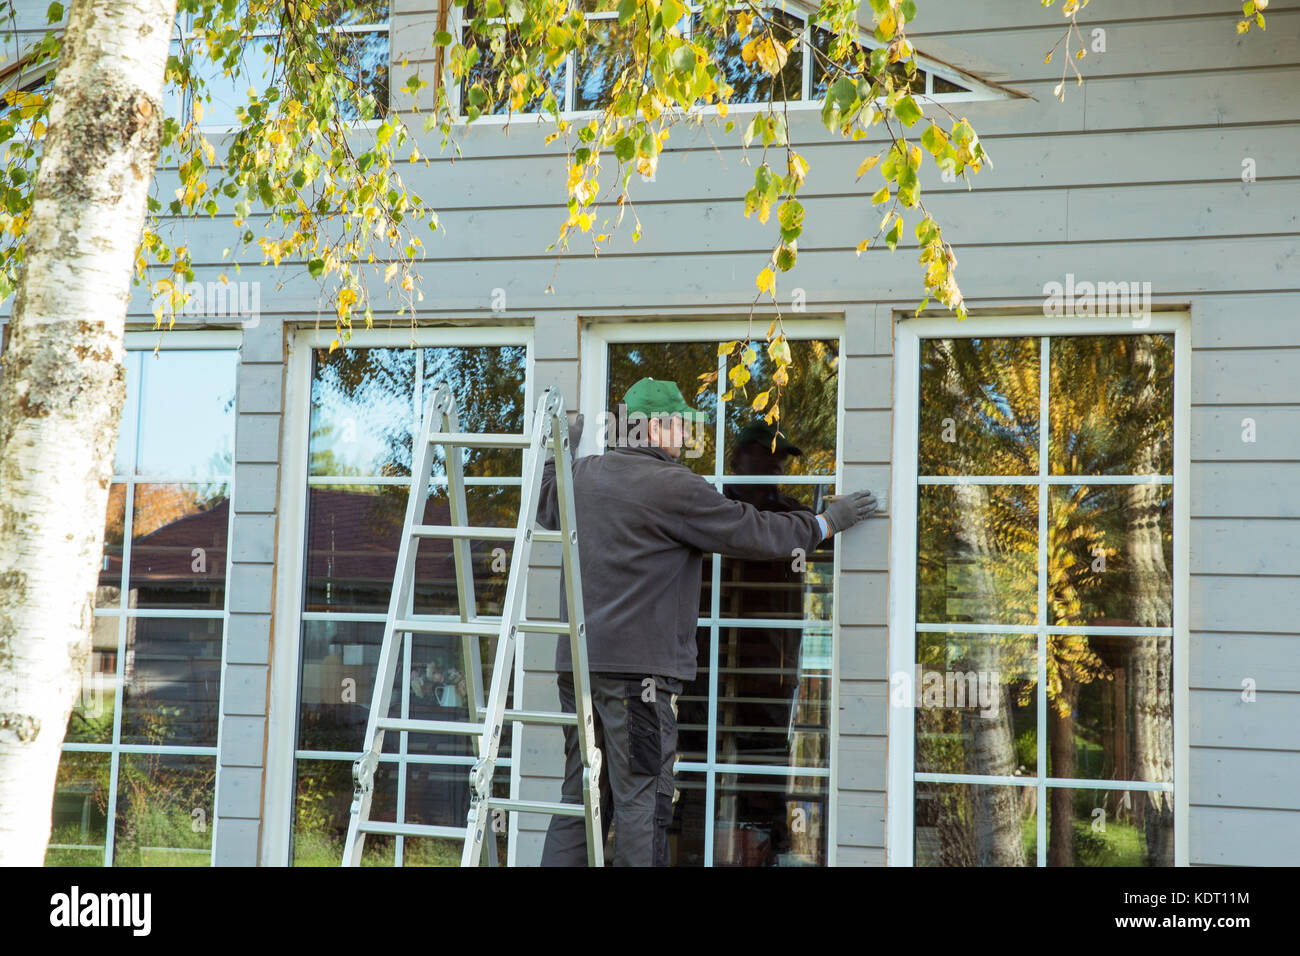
(441, 427)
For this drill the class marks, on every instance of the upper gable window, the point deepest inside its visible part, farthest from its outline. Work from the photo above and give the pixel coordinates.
(584, 82)
(356, 32)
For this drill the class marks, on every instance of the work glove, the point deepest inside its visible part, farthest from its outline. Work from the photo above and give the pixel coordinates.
(844, 511)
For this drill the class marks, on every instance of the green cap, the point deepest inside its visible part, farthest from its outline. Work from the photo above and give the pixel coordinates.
(760, 433)
(657, 396)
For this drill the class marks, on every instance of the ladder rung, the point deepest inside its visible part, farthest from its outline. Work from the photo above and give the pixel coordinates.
(479, 626)
(542, 717)
(429, 726)
(479, 532)
(484, 626)
(412, 830)
(481, 440)
(538, 806)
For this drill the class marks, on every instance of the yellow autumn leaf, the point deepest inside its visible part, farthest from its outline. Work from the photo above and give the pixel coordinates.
(760, 401)
(766, 281)
(867, 165)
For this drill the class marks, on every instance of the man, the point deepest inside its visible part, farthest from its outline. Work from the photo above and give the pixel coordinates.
(644, 524)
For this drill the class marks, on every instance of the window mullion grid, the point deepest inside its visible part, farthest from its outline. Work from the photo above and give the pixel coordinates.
(1044, 424)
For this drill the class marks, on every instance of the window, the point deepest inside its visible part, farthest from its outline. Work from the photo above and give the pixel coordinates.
(586, 82)
(136, 782)
(1038, 628)
(358, 419)
(754, 727)
(358, 35)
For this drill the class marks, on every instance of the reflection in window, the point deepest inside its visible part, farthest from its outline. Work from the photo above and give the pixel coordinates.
(749, 81)
(1104, 692)
(355, 39)
(769, 637)
(153, 675)
(366, 403)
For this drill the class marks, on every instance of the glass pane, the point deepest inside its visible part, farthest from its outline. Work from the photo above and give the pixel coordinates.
(439, 690)
(1111, 555)
(91, 720)
(342, 13)
(438, 795)
(1110, 717)
(806, 445)
(1109, 828)
(226, 90)
(959, 824)
(362, 412)
(799, 587)
(750, 81)
(340, 660)
(488, 385)
(979, 407)
(435, 569)
(79, 825)
(609, 51)
(976, 704)
(322, 805)
(943, 85)
(1112, 405)
(187, 414)
(353, 533)
(977, 555)
(164, 810)
(108, 593)
(490, 76)
(693, 707)
(173, 681)
(769, 820)
(363, 59)
(686, 832)
(774, 692)
(681, 362)
(178, 546)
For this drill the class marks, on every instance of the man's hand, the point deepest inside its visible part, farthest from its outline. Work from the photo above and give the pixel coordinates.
(844, 511)
(575, 435)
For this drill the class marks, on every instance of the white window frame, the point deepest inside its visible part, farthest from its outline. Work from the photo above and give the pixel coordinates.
(597, 336)
(978, 90)
(291, 556)
(900, 805)
(186, 341)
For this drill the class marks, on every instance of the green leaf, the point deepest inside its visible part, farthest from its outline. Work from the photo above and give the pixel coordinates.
(891, 237)
(55, 13)
(844, 92)
(316, 267)
(442, 38)
(907, 111)
(909, 10)
(683, 59)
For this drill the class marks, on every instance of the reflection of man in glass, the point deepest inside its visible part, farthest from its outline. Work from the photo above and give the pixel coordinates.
(759, 682)
(644, 524)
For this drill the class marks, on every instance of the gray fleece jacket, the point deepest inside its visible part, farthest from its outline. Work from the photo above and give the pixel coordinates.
(645, 521)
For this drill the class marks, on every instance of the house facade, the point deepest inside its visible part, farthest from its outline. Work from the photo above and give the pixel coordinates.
(1071, 636)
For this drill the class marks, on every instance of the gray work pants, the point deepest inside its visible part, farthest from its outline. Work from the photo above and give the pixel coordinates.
(636, 731)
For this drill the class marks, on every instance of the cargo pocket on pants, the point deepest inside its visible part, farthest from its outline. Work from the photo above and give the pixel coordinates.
(645, 753)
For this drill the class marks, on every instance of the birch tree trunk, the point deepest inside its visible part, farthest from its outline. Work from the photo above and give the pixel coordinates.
(63, 387)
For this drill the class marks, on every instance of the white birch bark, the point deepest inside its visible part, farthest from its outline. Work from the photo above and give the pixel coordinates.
(63, 386)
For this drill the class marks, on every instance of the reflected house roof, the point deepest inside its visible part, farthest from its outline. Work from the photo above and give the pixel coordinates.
(164, 558)
(354, 537)
(352, 543)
